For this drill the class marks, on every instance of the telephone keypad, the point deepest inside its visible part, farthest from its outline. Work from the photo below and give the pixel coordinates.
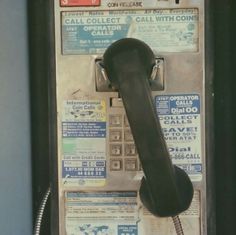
(122, 150)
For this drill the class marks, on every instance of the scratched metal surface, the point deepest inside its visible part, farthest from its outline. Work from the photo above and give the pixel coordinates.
(76, 78)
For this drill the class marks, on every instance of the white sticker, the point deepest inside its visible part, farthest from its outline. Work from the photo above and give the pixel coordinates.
(103, 213)
(121, 213)
(114, 4)
(84, 143)
(164, 30)
(181, 125)
(189, 219)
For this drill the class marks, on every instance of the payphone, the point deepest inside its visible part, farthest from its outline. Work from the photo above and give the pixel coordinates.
(120, 64)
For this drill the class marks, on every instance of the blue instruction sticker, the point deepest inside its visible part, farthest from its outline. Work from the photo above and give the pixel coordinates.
(102, 213)
(181, 125)
(178, 104)
(84, 169)
(167, 30)
(127, 230)
(84, 129)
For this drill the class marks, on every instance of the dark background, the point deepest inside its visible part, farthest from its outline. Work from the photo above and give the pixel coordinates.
(224, 90)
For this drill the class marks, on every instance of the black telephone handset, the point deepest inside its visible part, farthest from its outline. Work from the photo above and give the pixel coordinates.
(166, 190)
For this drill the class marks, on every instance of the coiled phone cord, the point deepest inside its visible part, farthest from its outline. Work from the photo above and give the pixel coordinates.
(178, 225)
(40, 213)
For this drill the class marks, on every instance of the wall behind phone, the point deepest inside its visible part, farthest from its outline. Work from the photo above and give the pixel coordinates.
(15, 166)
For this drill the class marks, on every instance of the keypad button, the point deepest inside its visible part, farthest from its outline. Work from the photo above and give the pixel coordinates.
(115, 135)
(130, 150)
(115, 149)
(115, 120)
(131, 165)
(126, 122)
(116, 164)
(140, 167)
(128, 135)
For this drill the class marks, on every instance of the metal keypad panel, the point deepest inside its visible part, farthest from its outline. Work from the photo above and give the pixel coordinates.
(122, 150)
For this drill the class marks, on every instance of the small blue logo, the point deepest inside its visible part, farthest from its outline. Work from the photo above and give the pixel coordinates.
(127, 230)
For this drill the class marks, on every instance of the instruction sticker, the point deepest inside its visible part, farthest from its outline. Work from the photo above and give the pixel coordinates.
(164, 30)
(181, 125)
(84, 143)
(101, 213)
(121, 213)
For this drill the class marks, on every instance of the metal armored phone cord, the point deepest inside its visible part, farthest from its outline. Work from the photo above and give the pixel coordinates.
(178, 225)
(40, 213)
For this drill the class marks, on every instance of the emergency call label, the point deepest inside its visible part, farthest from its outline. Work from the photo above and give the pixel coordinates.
(164, 30)
(181, 125)
(84, 143)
